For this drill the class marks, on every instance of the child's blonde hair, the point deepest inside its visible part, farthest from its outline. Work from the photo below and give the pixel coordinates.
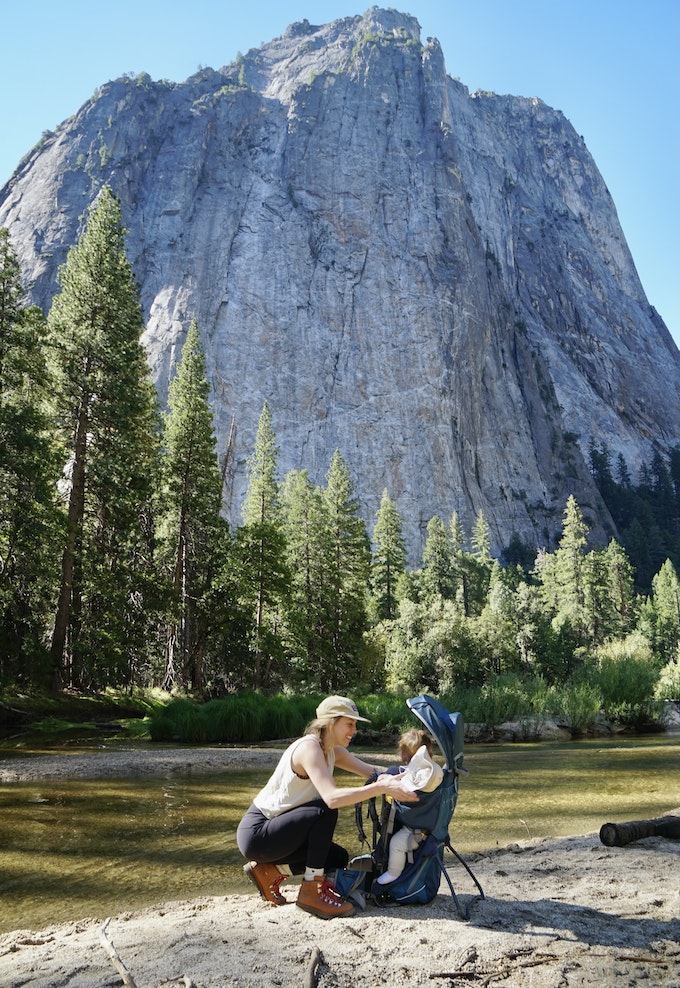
(410, 741)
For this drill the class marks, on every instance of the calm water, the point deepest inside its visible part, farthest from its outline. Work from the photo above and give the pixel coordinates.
(100, 847)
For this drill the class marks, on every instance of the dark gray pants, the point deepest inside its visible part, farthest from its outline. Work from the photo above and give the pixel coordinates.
(301, 838)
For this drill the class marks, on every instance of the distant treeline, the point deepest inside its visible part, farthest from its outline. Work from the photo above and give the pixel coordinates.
(117, 569)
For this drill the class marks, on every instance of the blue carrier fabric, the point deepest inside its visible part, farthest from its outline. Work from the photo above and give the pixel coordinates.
(420, 880)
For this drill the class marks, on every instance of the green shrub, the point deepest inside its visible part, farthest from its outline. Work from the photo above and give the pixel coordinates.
(577, 705)
(668, 683)
(625, 676)
(180, 720)
(506, 698)
(387, 713)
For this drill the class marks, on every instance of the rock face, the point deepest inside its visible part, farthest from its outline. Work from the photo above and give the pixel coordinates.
(431, 281)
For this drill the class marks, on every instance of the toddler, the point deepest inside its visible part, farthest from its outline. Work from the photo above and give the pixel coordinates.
(418, 772)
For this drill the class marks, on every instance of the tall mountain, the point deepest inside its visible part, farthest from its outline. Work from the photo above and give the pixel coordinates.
(433, 282)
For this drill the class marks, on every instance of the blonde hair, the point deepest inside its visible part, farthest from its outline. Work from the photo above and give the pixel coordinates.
(410, 741)
(319, 729)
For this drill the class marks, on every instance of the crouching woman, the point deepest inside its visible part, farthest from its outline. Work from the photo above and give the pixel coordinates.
(289, 827)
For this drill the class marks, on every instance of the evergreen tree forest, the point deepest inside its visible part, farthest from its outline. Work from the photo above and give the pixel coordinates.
(117, 567)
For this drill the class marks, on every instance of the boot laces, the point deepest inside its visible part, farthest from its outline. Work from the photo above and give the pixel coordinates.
(330, 894)
(275, 886)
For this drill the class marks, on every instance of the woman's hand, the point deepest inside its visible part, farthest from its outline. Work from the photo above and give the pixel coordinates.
(391, 784)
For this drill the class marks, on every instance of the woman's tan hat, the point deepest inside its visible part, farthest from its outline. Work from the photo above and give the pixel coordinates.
(338, 706)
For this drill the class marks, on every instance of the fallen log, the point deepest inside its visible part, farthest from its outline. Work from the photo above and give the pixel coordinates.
(620, 834)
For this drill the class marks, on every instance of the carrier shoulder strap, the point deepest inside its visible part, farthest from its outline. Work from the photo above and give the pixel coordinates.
(372, 815)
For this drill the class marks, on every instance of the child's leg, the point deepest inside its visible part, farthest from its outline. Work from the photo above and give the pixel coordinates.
(396, 858)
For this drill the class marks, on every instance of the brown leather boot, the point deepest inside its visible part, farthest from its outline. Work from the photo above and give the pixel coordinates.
(322, 899)
(267, 879)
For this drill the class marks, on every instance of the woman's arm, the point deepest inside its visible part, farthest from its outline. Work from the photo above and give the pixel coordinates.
(344, 759)
(310, 758)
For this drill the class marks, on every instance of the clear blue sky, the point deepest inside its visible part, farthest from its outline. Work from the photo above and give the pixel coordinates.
(611, 66)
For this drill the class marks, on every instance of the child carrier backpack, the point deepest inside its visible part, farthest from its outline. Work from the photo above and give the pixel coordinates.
(430, 817)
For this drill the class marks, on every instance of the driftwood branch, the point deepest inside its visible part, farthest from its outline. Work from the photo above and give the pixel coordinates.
(311, 973)
(128, 980)
(620, 834)
(501, 972)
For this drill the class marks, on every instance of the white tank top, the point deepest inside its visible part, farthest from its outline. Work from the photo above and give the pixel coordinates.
(286, 790)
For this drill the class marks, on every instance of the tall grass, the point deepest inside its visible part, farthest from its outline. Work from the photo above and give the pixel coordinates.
(621, 685)
(243, 718)
(250, 717)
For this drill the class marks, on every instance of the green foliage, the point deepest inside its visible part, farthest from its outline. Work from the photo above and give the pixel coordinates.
(249, 717)
(387, 714)
(29, 520)
(348, 567)
(389, 559)
(192, 541)
(153, 589)
(504, 700)
(106, 416)
(438, 578)
(647, 513)
(665, 613)
(241, 718)
(625, 676)
(509, 697)
(308, 620)
(668, 683)
(261, 551)
(578, 705)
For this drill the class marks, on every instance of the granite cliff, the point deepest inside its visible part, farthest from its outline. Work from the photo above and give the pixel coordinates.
(433, 282)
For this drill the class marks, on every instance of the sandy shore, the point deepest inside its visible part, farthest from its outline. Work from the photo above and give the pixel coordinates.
(568, 912)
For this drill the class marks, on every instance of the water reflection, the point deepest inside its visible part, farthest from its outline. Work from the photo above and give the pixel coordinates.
(98, 847)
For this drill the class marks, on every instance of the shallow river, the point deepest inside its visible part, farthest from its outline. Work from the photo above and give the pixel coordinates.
(100, 847)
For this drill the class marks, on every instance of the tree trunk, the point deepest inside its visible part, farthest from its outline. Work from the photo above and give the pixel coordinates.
(620, 834)
(76, 511)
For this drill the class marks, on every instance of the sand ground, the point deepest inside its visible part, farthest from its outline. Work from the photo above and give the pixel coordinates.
(557, 914)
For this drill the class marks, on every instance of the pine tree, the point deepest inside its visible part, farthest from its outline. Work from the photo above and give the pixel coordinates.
(563, 575)
(192, 536)
(460, 568)
(348, 569)
(437, 576)
(479, 565)
(28, 515)
(389, 559)
(666, 611)
(456, 536)
(308, 617)
(481, 541)
(108, 424)
(261, 548)
(674, 468)
(621, 601)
